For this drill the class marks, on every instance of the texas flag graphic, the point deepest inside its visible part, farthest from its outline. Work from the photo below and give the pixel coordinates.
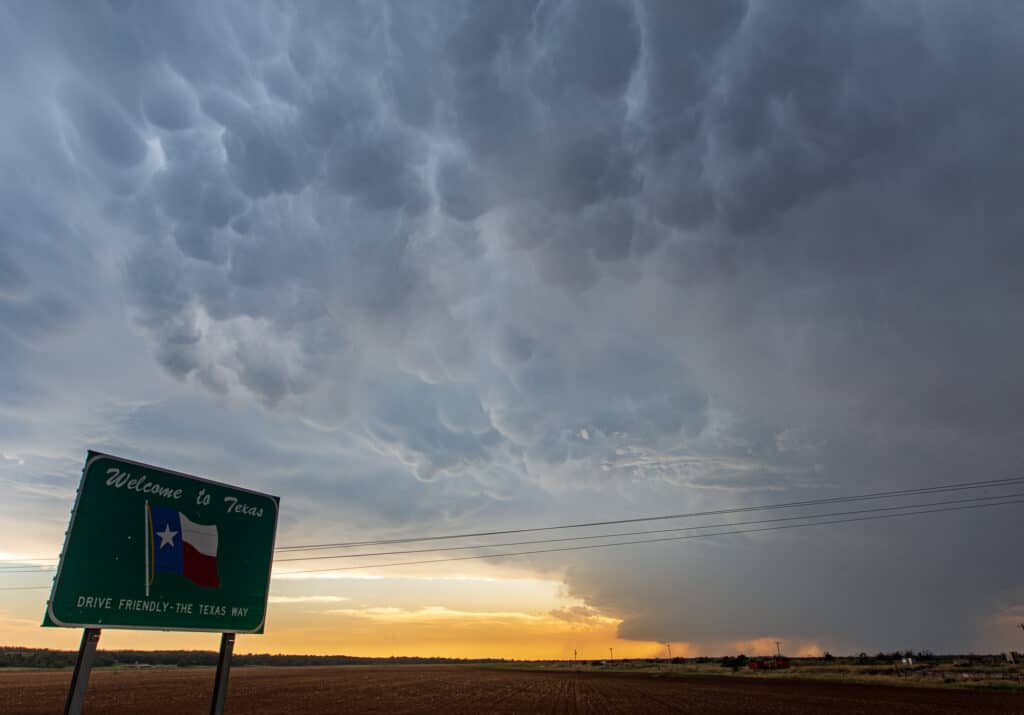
(179, 545)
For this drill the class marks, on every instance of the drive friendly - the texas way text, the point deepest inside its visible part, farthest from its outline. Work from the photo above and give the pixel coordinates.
(155, 606)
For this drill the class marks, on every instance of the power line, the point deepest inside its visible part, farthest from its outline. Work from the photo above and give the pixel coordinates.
(651, 541)
(954, 487)
(420, 562)
(805, 517)
(651, 531)
(12, 568)
(873, 510)
(715, 512)
(26, 565)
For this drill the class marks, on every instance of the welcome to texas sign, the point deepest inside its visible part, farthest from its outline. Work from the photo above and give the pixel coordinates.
(154, 549)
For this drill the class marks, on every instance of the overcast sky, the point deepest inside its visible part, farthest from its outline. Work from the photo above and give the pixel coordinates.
(432, 266)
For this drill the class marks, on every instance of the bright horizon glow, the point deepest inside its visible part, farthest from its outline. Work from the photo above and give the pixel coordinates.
(525, 619)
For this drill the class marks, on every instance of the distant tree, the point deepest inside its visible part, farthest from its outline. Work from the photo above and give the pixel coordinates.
(829, 656)
(734, 663)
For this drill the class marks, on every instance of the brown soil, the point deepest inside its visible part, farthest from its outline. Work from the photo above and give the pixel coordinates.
(465, 689)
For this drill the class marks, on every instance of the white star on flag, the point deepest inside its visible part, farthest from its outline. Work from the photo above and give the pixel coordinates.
(167, 536)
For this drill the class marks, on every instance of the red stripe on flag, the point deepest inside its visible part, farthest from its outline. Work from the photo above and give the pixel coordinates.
(199, 568)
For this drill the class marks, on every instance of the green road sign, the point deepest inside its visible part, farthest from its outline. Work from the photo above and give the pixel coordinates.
(149, 548)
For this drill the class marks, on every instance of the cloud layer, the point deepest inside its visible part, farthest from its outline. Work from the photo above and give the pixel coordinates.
(458, 263)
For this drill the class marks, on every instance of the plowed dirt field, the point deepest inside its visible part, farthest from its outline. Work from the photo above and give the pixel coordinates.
(463, 689)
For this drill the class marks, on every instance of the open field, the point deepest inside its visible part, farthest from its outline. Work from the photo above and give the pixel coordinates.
(469, 689)
(986, 672)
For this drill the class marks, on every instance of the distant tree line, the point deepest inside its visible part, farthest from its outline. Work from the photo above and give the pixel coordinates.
(736, 663)
(46, 658)
(880, 658)
(922, 656)
(11, 657)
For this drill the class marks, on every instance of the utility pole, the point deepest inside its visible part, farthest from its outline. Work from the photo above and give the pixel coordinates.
(573, 655)
(611, 654)
(669, 646)
(777, 649)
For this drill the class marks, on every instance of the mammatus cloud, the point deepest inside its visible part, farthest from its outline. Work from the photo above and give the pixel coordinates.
(521, 260)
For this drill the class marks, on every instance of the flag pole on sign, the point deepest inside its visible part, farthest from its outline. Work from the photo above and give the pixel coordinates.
(146, 542)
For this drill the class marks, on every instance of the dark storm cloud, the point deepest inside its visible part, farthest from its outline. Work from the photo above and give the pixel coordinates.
(668, 251)
(375, 167)
(193, 188)
(460, 192)
(168, 102)
(35, 240)
(102, 127)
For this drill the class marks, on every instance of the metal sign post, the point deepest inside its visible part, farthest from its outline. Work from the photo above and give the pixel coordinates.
(220, 685)
(83, 666)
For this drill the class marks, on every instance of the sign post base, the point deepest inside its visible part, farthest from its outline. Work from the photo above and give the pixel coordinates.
(220, 685)
(83, 666)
